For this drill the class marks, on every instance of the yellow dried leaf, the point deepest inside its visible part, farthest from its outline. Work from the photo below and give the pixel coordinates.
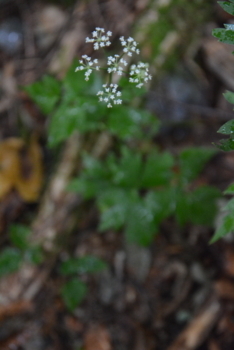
(21, 168)
(29, 186)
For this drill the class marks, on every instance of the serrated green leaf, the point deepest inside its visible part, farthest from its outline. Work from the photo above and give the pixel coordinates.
(230, 189)
(192, 161)
(157, 170)
(86, 264)
(161, 203)
(45, 93)
(73, 293)
(64, 122)
(226, 145)
(10, 260)
(19, 236)
(126, 122)
(126, 173)
(226, 227)
(224, 35)
(203, 205)
(140, 226)
(229, 96)
(192, 206)
(227, 128)
(113, 205)
(227, 6)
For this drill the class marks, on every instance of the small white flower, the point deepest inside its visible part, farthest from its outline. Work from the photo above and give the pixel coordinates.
(110, 95)
(129, 46)
(99, 39)
(88, 65)
(139, 74)
(114, 64)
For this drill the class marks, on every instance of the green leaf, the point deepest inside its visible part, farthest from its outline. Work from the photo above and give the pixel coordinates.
(10, 260)
(85, 187)
(227, 6)
(224, 35)
(161, 203)
(19, 236)
(203, 205)
(45, 93)
(73, 293)
(182, 206)
(140, 226)
(192, 206)
(227, 128)
(63, 123)
(75, 84)
(86, 264)
(229, 206)
(230, 189)
(157, 170)
(226, 145)
(126, 172)
(114, 204)
(226, 227)
(229, 96)
(192, 161)
(126, 122)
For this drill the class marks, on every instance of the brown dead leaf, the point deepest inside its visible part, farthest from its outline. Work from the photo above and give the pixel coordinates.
(29, 185)
(97, 338)
(15, 158)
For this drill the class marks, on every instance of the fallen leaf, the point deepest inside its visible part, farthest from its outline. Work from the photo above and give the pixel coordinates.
(97, 338)
(15, 157)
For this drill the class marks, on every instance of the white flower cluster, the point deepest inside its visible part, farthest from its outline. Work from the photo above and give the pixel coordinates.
(139, 74)
(88, 65)
(100, 39)
(114, 64)
(129, 46)
(110, 95)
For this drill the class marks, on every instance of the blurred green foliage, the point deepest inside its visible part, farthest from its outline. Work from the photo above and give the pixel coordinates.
(74, 290)
(137, 191)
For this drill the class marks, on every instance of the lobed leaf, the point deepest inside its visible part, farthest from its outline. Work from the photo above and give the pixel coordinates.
(45, 93)
(226, 145)
(224, 35)
(227, 6)
(192, 161)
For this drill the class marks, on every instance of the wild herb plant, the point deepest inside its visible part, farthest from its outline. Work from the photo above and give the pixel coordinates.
(136, 186)
(226, 35)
